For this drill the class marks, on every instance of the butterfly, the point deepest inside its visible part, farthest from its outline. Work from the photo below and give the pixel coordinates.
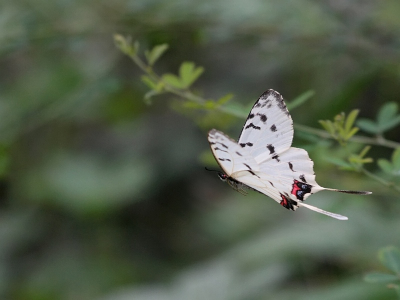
(263, 159)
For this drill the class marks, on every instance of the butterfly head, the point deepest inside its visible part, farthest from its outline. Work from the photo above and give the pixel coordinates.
(222, 176)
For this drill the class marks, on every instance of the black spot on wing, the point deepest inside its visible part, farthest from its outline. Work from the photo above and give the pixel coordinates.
(224, 159)
(223, 145)
(271, 148)
(282, 106)
(271, 183)
(290, 166)
(273, 128)
(251, 125)
(252, 173)
(276, 156)
(248, 166)
(238, 153)
(302, 178)
(263, 117)
(251, 116)
(246, 144)
(279, 101)
(218, 149)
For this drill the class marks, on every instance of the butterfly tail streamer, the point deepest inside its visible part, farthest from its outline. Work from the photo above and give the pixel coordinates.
(321, 211)
(350, 192)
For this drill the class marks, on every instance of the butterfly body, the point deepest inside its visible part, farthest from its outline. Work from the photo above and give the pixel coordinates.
(263, 159)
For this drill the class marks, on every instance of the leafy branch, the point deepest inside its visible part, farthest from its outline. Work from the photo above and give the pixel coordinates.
(188, 74)
(341, 129)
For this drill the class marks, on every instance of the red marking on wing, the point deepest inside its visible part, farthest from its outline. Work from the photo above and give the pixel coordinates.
(284, 201)
(295, 188)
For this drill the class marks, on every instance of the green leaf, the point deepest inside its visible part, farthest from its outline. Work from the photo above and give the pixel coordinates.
(173, 80)
(351, 133)
(385, 165)
(189, 73)
(235, 109)
(374, 277)
(386, 113)
(224, 99)
(299, 100)
(396, 158)
(351, 119)
(389, 124)
(340, 163)
(368, 126)
(390, 257)
(209, 104)
(192, 105)
(155, 53)
(364, 151)
(328, 126)
(149, 82)
(125, 45)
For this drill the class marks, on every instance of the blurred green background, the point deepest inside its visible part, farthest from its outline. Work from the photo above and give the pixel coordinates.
(105, 197)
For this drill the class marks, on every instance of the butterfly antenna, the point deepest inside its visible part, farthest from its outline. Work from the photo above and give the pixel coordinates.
(211, 170)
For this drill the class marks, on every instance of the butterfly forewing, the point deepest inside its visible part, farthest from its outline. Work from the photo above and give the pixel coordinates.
(229, 155)
(268, 130)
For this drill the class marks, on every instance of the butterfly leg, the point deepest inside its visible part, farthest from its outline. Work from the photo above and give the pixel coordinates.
(237, 187)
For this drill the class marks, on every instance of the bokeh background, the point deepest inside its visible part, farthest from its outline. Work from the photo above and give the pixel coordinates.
(103, 196)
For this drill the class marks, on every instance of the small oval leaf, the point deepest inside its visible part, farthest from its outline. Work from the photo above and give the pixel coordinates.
(172, 80)
(385, 166)
(155, 53)
(368, 126)
(386, 113)
(380, 277)
(390, 257)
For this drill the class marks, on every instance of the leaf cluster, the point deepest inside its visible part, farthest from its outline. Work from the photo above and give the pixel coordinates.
(391, 167)
(389, 258)
(386, 119)
(355, 162)
(341, 129)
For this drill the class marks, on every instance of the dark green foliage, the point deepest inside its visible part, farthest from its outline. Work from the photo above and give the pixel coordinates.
(105, 196)
(390, 258)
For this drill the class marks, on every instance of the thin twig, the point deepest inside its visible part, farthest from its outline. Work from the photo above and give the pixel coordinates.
(381, 180)
(355, 138)
(187, 94)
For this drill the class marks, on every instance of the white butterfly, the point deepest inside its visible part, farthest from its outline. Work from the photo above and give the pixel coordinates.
(263, 159)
